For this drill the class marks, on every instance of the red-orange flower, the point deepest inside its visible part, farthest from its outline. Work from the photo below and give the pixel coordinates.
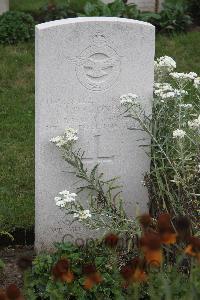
(151, 247)
(92, 276)
(145, 221)
(134, 271)
(193, 248)
(111, 240)
(61, 271)
(13, 292)
(2, 295)
(167, 233)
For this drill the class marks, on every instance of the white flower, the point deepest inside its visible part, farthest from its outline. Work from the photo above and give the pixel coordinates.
(128, 99)
(195, 124)
(82, 214)
(69, 136)
(179, 133)
(165, 62)
(197, 83)
(183, 76)
(66, 197)
(185, 105)
(166, 91)
(61, 203)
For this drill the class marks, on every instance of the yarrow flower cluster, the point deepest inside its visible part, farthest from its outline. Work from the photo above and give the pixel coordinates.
(128, 99)
(186, 105)
(82, 214)
(197, 83)
(64, 198)
(179, 133)
(166, 91)
(70, 135)
(165, 62)
(195, 124)
(183, 76)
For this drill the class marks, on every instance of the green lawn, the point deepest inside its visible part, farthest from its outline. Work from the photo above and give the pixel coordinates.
(17, 121)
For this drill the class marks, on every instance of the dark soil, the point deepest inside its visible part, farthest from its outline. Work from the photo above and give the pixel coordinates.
(10, 256)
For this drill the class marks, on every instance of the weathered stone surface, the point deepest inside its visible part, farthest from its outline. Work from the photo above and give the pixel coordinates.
(83, 66)
(144, 5)
(4, 6)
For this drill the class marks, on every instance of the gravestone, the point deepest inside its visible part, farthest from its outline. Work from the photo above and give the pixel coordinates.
(83, 66)
(144, 5)
(4, 6)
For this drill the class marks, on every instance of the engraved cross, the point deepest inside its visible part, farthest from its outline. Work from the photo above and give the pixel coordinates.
(97, 158)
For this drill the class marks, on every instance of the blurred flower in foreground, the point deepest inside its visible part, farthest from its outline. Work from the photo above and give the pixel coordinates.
(193, 248)
(111, 240)
(61, 271)
(145, 221)
(92, 276)
(134, 271)
(166, 231)
(150, 245)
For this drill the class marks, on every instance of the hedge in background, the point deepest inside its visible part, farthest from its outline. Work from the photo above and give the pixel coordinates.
(16, 27)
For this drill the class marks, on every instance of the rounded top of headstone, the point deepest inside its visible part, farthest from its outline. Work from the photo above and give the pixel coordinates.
(61, 22)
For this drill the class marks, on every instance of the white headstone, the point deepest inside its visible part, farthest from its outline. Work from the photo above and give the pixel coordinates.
(4, 6)
(83, 66)
(144, 5)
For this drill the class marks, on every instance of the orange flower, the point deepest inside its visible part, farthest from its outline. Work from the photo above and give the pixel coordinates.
(134, 271)
(167, 233)
(193, 248)
(168, 238)
(13, 293)
(2, 295)
(67, 277)
(62, 271)
(111, 240)
(151, 247)
(92, 276)
(145, 221)
(154, 258)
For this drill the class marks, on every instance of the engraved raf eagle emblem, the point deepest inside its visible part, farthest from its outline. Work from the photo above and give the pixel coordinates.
(98, 66)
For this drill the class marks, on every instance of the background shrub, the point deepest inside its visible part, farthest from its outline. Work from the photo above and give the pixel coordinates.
(16, 26)
(194, 10)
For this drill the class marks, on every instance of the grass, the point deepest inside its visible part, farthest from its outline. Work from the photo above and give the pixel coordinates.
(17, 121)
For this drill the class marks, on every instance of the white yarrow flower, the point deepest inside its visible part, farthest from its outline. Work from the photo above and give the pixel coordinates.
(165, 62)
(185, 105)
(83, 214)
(64, 198)
(69, 136)
(195, 124)
(197, 83)
(179, 133)
(183, 76)
(128, 99)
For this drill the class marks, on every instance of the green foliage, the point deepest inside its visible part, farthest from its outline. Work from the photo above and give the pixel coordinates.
(16, 27)
(39, 282)
(174, 17)
(194, 10)
(52, 12)
(167, 282)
